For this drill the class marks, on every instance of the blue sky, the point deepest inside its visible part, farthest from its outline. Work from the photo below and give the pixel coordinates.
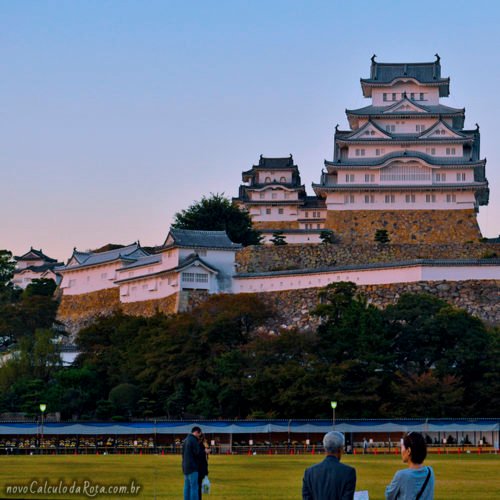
(114, 115)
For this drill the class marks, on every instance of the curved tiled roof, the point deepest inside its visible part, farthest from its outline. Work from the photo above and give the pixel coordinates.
(431, 160)
(438, 109)
(85, 259)
(464, 186)
(201, 239)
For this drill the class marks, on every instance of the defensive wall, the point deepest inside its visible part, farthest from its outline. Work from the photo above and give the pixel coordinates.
(405, 226)
(292, 308)
(265, 258)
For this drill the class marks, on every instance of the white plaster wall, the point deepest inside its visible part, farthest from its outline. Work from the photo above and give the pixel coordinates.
(222, 260)
(274, 194)
(371, 150)
(89, 279)
(367, 277)
(274, 175)
(157, 287)
(431, 94)
(463, 200)
(23, 264)
(290, 213)
(22, 280)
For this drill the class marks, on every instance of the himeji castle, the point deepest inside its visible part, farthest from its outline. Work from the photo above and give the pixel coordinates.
(406, 164)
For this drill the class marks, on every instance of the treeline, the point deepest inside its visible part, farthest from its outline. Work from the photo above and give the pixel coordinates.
(418, 358)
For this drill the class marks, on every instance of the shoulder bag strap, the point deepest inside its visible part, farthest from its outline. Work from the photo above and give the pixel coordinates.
(419, 494)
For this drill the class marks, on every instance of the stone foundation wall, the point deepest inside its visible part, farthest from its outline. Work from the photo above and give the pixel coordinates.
(278, 225)
(167, 305)
(405, 226)
(78, 311)
(262, 258)
(480, 298)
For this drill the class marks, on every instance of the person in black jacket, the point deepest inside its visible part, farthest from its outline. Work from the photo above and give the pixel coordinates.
(330, 480)
(202, 462)
(190, 460)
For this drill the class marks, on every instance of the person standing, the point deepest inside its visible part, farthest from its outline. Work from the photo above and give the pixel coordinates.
(190, 458)
(416, 482)
(202, 463)
(330, 480)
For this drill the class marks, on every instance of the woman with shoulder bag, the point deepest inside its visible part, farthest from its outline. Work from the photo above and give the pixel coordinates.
(417, 481)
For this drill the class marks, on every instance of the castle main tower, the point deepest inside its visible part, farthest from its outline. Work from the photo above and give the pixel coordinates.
(407, 164)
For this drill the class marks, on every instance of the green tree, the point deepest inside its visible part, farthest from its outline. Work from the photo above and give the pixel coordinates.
(279, 238)
(7, 266)
(328, 237)
(382, 236)
(218, 213)
(43, 287)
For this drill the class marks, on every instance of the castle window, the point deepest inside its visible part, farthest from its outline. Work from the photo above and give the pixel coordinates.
(450, 151)
(430, 151)
(451, 198)
(188, 277)
(369, 198)
(410, 198)
(379, 152)
(104, 276)
(412, 96)
(420, 128)
(405, 173)
(282, 179)
(349, 199)
(422, 96)
(318, 226)
(461, 176)
(274, 195)
(268, 211)
(360, 152)
(71, 283)
(307, 215)
(430, 198)
(390, 198)
(349, 177)
(262, 195)
(394, 96)
(201, 278)
(369, 177)
(268, 179)
(280, 211)
(390, 128)
(440, 177)
(385, 96)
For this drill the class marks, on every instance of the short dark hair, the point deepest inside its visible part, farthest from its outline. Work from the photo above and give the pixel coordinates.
(416, 442)
(195, 429)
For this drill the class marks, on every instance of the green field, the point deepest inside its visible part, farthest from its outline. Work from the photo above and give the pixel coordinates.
(242, 477)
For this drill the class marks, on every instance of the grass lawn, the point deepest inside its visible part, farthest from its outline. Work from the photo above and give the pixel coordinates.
(242, 477)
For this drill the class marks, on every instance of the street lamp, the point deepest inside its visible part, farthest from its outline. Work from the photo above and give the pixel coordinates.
(334, 405)
(43, 407)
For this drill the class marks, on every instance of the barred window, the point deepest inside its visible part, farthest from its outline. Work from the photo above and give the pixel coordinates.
(404, 173)
(201, 278)
(188, 277)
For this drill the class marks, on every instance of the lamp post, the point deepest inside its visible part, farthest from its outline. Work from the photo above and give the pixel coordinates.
(43, 407)
(334, 405)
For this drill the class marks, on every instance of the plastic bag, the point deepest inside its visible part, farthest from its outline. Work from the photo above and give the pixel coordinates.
(205, 485)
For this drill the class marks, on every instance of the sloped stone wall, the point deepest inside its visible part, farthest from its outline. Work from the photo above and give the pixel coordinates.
(166, 305)
(480, 298)
(278, 225)
(405, 226)
(78, 311)
(262, 258)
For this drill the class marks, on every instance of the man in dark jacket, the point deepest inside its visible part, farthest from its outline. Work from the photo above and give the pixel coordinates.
(330, 480)
(190, 453)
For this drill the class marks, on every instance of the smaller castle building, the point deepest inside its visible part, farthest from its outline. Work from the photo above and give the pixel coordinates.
(32, 265)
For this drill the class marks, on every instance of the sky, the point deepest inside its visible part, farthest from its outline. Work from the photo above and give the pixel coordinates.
(116, 114)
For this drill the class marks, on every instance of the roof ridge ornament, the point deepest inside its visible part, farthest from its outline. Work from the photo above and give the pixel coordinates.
(477, 127)
(437, 58)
